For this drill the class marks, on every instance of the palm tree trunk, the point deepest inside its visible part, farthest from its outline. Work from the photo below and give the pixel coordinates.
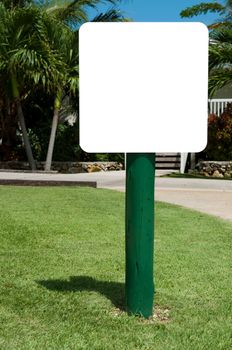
(22, 123)
(55, 122)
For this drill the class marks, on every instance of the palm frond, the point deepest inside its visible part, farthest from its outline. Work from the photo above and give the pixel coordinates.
(10, 4)
(223, 33)
(28, 50)
(70, 11)
(219, 79)
(203, 8)
(74, 12)
(220, 55)
(112, 15)
(220, 25)
(67, 112)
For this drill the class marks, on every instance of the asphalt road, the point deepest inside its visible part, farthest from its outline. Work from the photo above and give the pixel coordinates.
(205, 195)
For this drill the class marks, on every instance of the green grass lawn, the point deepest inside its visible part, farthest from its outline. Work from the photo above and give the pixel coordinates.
(62, 274)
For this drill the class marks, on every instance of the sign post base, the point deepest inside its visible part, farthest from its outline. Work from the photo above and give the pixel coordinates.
(140, 175)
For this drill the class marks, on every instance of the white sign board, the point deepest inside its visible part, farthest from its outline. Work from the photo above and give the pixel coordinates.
(143, 87)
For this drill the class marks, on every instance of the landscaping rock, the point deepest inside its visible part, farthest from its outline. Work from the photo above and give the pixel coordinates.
(65, 167)
(215, 169)
(217, 174)
(93, 168)
(227, 175)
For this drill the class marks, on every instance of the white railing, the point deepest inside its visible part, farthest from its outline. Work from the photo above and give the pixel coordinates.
(217, 105)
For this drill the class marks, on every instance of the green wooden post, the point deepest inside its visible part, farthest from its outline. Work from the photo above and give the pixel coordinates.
(140, 174)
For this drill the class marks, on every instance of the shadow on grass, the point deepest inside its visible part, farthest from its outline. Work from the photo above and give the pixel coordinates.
(114, 291)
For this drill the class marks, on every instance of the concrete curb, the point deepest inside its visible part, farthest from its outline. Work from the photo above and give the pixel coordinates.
(21, 182)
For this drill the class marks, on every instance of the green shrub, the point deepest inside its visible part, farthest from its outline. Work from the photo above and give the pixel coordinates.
(219, 145)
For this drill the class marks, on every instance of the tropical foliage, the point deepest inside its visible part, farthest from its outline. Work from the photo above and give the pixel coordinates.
(220, 46)
(219, 136)
(222, 8)
(39, 56)
(220, 58)
(220, 75)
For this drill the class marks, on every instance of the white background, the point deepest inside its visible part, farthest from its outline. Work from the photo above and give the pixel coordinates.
(143, 87)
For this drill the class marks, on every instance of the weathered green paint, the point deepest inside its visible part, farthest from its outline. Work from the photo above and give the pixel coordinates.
(140, 174)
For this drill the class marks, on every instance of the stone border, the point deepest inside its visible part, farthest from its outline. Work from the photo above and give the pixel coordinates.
(65, 167)
(216, 169)
(22, 182)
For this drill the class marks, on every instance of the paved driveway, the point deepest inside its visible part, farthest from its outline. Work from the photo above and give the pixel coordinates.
(209, 196)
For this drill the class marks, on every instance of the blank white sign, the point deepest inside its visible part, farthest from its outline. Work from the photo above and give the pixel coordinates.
(143, 87)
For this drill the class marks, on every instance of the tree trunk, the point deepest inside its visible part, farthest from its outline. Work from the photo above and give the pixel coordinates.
(192, 161)
(9, 124)
(25, 136)
(23, 124)
(55, 122)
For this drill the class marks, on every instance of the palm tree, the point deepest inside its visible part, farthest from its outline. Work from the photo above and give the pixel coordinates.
(67, 42)
(33, 52)
(26, 58)
(62, 39)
